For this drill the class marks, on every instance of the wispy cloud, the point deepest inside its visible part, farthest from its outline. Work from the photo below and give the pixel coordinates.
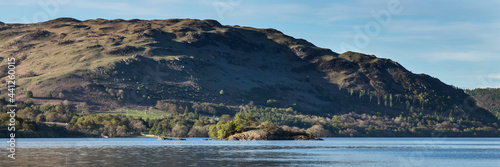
(489, 81)
(117, 7)
(457, 41)
(494, 76)
(469, 56)
(254, 11)
(484, 87)
(21, 3)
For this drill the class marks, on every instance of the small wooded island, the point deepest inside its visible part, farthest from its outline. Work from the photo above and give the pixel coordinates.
(247, 128)
(279, 134)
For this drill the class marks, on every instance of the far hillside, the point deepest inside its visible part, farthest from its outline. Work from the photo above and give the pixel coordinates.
(488, 98)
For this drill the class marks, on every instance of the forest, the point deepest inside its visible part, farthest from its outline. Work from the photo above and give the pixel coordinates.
(198, 120)
(488, 98)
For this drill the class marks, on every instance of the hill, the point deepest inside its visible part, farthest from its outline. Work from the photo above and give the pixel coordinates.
(488, 98)
(183, 66)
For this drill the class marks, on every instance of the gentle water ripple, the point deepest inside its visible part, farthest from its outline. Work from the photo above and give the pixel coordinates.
(195, 152)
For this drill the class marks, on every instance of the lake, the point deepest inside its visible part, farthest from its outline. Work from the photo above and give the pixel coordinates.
(195, 152)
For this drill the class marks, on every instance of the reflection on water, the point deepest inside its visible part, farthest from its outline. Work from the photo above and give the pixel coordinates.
(195, 152)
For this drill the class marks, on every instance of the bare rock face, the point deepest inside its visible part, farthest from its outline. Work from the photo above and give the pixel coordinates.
(249, 135)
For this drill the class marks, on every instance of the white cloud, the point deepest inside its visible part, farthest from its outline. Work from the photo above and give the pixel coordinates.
(469, 56)
(488, 81)
(487, 87)
(21, 3)
(267, 12)
(458, 41)
(148, 8)
(494, 76)
(117, 7)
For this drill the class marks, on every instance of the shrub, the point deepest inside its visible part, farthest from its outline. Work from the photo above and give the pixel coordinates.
(318, 131)
(225, 117)
(61, 95)
(199, 131)
(45, 107)
(222, 130)
(179, 131)
(29, 94)
(51, 117)
(48, 95)
(268, 127)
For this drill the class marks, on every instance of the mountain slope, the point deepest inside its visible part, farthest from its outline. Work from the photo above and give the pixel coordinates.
(112, 64)
(488, 98)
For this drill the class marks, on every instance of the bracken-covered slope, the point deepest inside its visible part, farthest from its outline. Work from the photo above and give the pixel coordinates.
(110, 64)
(488, 98)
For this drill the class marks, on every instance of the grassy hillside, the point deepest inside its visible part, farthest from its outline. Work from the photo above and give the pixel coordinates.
(488, 98)
(151, 114)
(200, 69)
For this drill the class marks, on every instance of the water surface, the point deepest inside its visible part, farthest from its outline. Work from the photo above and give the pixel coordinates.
(195, 152)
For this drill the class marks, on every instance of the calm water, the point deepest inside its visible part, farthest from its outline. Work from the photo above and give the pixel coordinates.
(195, 152)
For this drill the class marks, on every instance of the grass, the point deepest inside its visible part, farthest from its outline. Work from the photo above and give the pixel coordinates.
(59, 124)
(327, 57)
(151, 114)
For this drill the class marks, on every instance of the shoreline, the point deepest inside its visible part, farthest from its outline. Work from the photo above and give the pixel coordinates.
(221, 140)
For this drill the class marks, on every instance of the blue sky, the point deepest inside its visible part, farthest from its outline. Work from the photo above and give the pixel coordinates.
(457, 41)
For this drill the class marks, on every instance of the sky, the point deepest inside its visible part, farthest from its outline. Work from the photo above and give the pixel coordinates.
(457, 41)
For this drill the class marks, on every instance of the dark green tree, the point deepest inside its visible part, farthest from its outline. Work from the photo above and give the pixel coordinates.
(222, 129)
(48, 95)
(29, 94)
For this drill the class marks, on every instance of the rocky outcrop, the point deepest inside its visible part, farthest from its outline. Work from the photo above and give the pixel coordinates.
(169, 138)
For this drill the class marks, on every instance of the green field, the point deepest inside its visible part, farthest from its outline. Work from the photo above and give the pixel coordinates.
(151, 114)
